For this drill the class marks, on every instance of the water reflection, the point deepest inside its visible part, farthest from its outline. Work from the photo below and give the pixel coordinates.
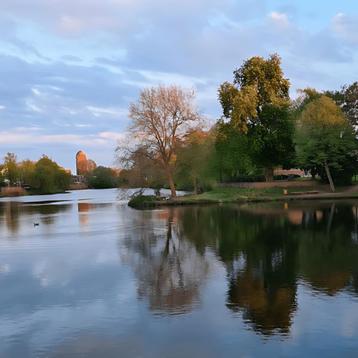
(134, 282)
(169, 269)
(267, 249)
(13, 213)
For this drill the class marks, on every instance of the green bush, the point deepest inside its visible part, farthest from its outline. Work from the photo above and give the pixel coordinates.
(142, 201)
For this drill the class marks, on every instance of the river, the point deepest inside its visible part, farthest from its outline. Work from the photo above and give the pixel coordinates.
(84, 275)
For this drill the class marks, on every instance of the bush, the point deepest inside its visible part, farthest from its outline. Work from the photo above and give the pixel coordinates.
(142, 201)
(102, 178)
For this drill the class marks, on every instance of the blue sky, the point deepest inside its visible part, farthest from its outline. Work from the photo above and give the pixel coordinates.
(69, 68)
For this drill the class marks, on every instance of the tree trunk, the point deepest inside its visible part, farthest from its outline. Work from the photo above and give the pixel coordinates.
(173, 192)
(269, 174)
(328, 172)
(196, 186)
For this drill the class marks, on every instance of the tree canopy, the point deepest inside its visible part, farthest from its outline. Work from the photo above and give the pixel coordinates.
(161, 118)
(257, 104)
(326, 142)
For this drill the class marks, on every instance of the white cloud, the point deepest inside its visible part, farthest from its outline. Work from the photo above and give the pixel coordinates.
(279, 18)
(107, 111)
(25, 136)
(346, 27)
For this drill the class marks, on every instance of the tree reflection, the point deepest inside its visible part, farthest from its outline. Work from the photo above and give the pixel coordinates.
(267, 249)
(168, 268)
(11, 213)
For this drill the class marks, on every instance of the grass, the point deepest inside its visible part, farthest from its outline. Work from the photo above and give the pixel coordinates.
(230, 195)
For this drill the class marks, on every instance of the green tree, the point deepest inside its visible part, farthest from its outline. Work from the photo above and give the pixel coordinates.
(26, 170)
(326, 141)
(257, 104)
(347, 100)
(232, 156)
(102, 178)
(49, 177)
(195, 161)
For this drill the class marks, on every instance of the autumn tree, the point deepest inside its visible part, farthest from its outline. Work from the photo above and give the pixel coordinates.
(257, 104)
(326, 141)
(161, 118)
(11, 168)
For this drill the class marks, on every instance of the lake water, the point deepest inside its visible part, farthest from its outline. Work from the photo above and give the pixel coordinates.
(97, 278)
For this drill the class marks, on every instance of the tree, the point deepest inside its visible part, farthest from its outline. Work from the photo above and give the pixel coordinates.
(49, 177)
(347, 100)
(140, 170)
(257, 104)
(102, 178)
(326, 141)
(195, 160)
(11, 168)
(232, 157)
(2, 175)
(161, 118)
(26, 170)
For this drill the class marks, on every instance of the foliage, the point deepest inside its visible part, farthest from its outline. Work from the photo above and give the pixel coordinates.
(347, 100)
(195, 158)
(48, 177)
(140, 170)
(2, 175)
(11, 168)
(26, 170)
(161, 118)
(271, 139)
(142, 201)
(257, 104)
(325, 136)
(102, 178)
(232, 154)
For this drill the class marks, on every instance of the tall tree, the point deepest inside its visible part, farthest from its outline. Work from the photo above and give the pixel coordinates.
(11, 168)
(326, 141)
(161, 118)
(257, 103)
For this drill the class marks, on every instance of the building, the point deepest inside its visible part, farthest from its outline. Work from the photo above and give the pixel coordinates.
(83, 164)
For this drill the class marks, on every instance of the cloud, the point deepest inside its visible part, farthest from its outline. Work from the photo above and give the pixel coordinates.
(73, 67)
(346, 27)
(279, 19)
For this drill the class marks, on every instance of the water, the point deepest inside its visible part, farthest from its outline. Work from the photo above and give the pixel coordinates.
(97, 278)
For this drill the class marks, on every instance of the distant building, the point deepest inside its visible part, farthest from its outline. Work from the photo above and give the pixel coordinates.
(83, 164)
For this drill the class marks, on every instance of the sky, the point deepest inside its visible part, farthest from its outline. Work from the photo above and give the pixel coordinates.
(70, 68)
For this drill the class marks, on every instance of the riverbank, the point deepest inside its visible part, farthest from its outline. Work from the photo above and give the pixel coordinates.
(243, 195)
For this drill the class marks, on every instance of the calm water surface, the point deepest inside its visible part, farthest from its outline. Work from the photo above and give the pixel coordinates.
(96, 278)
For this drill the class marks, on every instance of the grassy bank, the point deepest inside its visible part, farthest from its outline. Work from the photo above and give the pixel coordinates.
(230, 195)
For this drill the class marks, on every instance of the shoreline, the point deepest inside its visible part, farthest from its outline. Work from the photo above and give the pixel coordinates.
(256, 196)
